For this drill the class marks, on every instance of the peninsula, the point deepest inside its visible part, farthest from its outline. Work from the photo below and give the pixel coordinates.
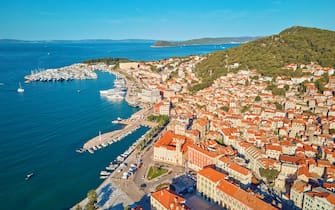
(205, 41)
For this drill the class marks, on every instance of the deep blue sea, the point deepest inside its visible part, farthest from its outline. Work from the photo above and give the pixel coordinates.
(41, 128)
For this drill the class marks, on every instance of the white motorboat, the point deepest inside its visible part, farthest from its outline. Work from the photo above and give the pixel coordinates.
(28, 176)
(20, 89)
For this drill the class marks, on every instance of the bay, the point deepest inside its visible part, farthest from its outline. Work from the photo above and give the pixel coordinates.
(41, 128)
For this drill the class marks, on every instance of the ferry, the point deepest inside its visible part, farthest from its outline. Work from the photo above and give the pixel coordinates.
(28, 176)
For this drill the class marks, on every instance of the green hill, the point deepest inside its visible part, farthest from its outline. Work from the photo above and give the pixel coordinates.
(268, 55)
(205, 41)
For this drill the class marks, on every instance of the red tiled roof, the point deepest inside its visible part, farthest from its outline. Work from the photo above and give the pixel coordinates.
(168, 141)
(166, 198)
(212, 174)
(273, 147)
(330, 197)
(239, 169)
(244, 197)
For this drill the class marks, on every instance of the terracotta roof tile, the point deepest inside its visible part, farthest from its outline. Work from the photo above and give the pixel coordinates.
(166, 198)
(239, 169)
(212, 174)
(244, 197)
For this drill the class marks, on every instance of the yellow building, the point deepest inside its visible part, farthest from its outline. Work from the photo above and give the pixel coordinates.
(207, 181)
(171, 148)
(213, 185)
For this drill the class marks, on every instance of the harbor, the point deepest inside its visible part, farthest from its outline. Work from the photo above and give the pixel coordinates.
(77, 71)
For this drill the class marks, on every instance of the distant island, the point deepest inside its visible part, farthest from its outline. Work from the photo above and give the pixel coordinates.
(76, 41)
(205, 41)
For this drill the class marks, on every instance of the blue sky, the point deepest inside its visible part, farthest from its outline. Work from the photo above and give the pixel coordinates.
(158, 19)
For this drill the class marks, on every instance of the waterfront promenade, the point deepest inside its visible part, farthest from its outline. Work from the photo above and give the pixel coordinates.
(116, 192)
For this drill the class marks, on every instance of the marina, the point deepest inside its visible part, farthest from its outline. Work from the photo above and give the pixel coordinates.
(78, 71)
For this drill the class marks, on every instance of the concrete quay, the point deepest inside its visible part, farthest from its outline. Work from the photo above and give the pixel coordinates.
(132, 124)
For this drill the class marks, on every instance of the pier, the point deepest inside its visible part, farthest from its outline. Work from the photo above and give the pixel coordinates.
(132, 124)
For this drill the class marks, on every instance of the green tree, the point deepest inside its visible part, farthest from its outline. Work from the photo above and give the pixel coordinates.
(244, 109)
(286, 87)
(225, 108)
(258, 98)
(219, 140)
(246, 83)
(78, 207)
(90, 206)
(269, 174)
(92, 200)
(278, 106)
(278, 91)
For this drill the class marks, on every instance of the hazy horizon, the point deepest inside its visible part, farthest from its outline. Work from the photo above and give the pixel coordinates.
(158, 20)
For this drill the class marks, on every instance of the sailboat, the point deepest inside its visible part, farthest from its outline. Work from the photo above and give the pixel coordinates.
(20, 89)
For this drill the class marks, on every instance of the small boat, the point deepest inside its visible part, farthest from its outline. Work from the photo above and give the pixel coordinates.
(20, 89)
(28, 176)
(103, 177)
(104, 173)
(81, 150)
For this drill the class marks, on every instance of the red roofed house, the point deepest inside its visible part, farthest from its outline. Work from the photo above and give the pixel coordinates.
(297, 192)
(205, 154)
(171, 148)
(273, 151)
(213, 185)
(198, 157)
(166, 200)
(207, 180)
(162, 108)
(232, 197)
(202, 125)
(240, 173)
(319, 198)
